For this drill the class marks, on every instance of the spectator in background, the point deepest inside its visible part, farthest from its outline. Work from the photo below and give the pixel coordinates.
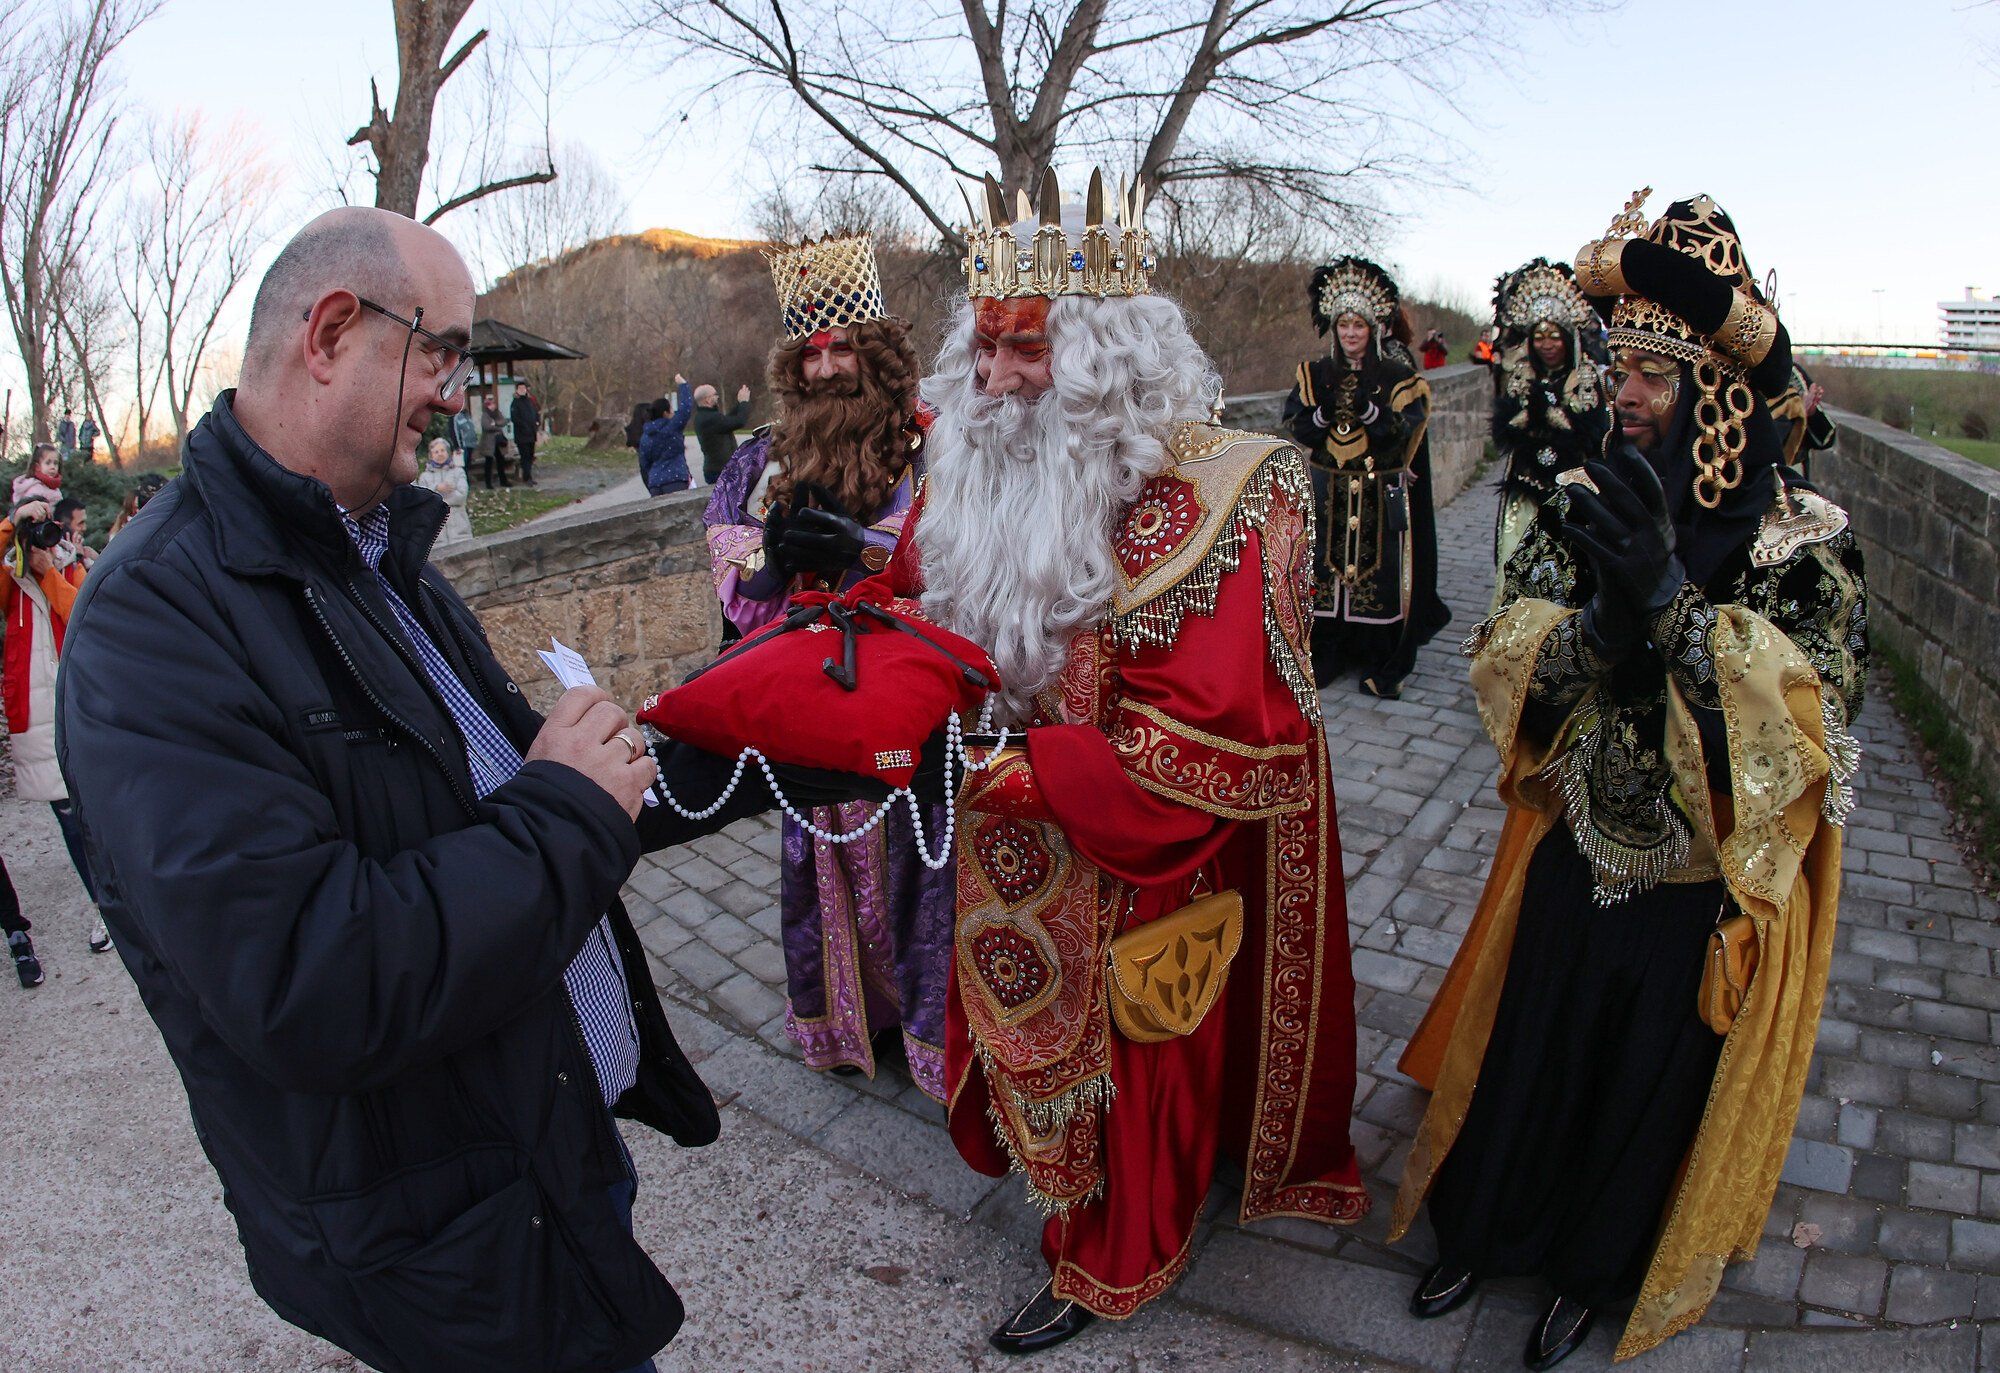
(715, 431)
(493, 440)
(465, 434)
(444, 475)
(86, 439)
(149, 485)
(663, 460)
(527, 417)
(43, 479)
(39, 591)
(75, 522)
(66, 435)
(1433, 349)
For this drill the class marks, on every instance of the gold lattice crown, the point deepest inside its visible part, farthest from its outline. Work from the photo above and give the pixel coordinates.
(830, 284)
(1030, 252)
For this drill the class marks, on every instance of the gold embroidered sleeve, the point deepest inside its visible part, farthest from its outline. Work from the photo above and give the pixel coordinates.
(1219, 776)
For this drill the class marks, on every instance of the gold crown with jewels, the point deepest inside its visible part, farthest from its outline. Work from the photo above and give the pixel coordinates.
(1003, 258)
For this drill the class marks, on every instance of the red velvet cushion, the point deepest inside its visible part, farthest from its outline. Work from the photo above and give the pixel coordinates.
(773, 690)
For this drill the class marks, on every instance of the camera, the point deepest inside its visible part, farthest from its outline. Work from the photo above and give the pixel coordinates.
(42, 534)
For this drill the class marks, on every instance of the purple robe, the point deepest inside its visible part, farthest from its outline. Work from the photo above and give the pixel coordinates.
(866, 927)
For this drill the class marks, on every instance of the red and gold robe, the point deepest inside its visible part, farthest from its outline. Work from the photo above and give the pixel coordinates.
(1179, 752)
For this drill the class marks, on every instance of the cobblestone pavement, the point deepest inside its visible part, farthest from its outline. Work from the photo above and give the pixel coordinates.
(1888, 1219)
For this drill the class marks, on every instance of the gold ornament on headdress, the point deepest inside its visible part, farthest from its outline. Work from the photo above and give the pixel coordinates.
(1352, 289)
(1543, 294)
(1110, 258)
(1721, 360)
(831, 284)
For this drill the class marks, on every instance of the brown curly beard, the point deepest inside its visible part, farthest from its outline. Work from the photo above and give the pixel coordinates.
(847, 434)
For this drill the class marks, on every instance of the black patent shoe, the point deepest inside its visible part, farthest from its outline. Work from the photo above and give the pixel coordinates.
(1045, 1322)
(1564, 1326)
(1442, 1291)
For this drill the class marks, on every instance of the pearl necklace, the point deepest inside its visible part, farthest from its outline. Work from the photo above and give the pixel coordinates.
(954, 752)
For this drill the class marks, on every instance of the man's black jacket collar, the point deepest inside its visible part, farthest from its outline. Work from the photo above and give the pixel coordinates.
(270, 520)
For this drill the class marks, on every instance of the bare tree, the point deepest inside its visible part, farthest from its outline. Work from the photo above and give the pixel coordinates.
(401, 143)
(92, 327)
(195, 226)
(542, 222)
(58, 117)
(1318, 101)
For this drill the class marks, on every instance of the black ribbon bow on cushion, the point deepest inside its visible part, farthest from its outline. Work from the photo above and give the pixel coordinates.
(865, 701)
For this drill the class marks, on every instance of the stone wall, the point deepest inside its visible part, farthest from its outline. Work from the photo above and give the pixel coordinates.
(1929, 525)
(1461, 415)
(627, 586)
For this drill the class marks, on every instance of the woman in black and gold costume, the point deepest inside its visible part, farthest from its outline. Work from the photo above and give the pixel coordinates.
(1549, 410)
(1360, 414)
(1669, 680)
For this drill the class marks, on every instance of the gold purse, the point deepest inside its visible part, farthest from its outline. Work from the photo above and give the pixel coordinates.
(1726, 977)
(1166, 973)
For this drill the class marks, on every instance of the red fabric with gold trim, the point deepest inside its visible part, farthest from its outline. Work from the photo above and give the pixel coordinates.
(774, 691)
(1165, 516)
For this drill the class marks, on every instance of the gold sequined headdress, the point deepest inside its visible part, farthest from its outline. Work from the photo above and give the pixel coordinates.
(1352, 286)
(1682, 288)
(831, 284)
(1030, 252)
(1540, 292)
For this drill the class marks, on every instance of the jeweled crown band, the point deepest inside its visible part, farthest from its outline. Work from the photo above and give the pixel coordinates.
(1106, 259)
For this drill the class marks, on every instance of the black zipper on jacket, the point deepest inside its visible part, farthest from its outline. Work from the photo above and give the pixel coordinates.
(382, 706)
(326, 626)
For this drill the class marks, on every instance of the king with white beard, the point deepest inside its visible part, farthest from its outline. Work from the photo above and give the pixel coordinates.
(1150, 907)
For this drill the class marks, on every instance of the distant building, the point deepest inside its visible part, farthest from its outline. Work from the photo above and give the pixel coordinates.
(1970, 323)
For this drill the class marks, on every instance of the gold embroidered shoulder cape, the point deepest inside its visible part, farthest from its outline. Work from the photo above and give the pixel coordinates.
(1787, 675)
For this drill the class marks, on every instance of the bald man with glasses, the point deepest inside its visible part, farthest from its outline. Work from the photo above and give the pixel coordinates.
(369, 895)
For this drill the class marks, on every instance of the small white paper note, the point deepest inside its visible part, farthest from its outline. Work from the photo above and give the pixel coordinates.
(572, 671)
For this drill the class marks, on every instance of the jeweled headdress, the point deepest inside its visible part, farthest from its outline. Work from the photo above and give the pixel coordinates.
(1031, 252)
(1683, 289)
(1352, 286)
(831, 284)
(1539, 292)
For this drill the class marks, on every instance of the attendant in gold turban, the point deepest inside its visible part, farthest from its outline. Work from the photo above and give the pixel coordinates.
(1680, 646)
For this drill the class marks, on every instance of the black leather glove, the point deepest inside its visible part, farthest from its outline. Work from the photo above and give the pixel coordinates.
(776, 558)
(1627, 531)
(821, 537)
(821, 541)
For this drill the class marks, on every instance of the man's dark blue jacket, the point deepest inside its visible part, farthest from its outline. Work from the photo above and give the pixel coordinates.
(357, 964)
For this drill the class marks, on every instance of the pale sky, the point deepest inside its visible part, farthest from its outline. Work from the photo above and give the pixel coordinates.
(1853, 141)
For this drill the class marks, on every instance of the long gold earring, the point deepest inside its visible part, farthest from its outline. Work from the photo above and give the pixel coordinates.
(1718, 446)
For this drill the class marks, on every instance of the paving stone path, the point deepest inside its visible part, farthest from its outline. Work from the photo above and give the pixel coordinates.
(1888, 1219)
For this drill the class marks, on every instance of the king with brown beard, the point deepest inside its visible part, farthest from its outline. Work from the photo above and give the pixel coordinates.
(817, 503)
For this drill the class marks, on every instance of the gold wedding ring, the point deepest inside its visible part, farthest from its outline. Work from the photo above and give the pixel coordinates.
(633, 742)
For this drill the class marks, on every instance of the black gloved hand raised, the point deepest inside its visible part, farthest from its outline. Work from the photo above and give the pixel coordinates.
(821, 537)
(1626, 532)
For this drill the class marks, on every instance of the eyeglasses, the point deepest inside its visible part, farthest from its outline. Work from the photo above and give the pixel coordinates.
(451, 363)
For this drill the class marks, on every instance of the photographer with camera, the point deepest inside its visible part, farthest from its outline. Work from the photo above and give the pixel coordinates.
(44, 574)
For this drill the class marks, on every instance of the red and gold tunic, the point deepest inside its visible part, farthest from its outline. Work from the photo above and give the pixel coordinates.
(1179, 752)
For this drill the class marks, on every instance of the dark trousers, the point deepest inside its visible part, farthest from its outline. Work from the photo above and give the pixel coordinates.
(496, 456)
(11, 919)
(622, 1195)
(527, 460)
(72, 834)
